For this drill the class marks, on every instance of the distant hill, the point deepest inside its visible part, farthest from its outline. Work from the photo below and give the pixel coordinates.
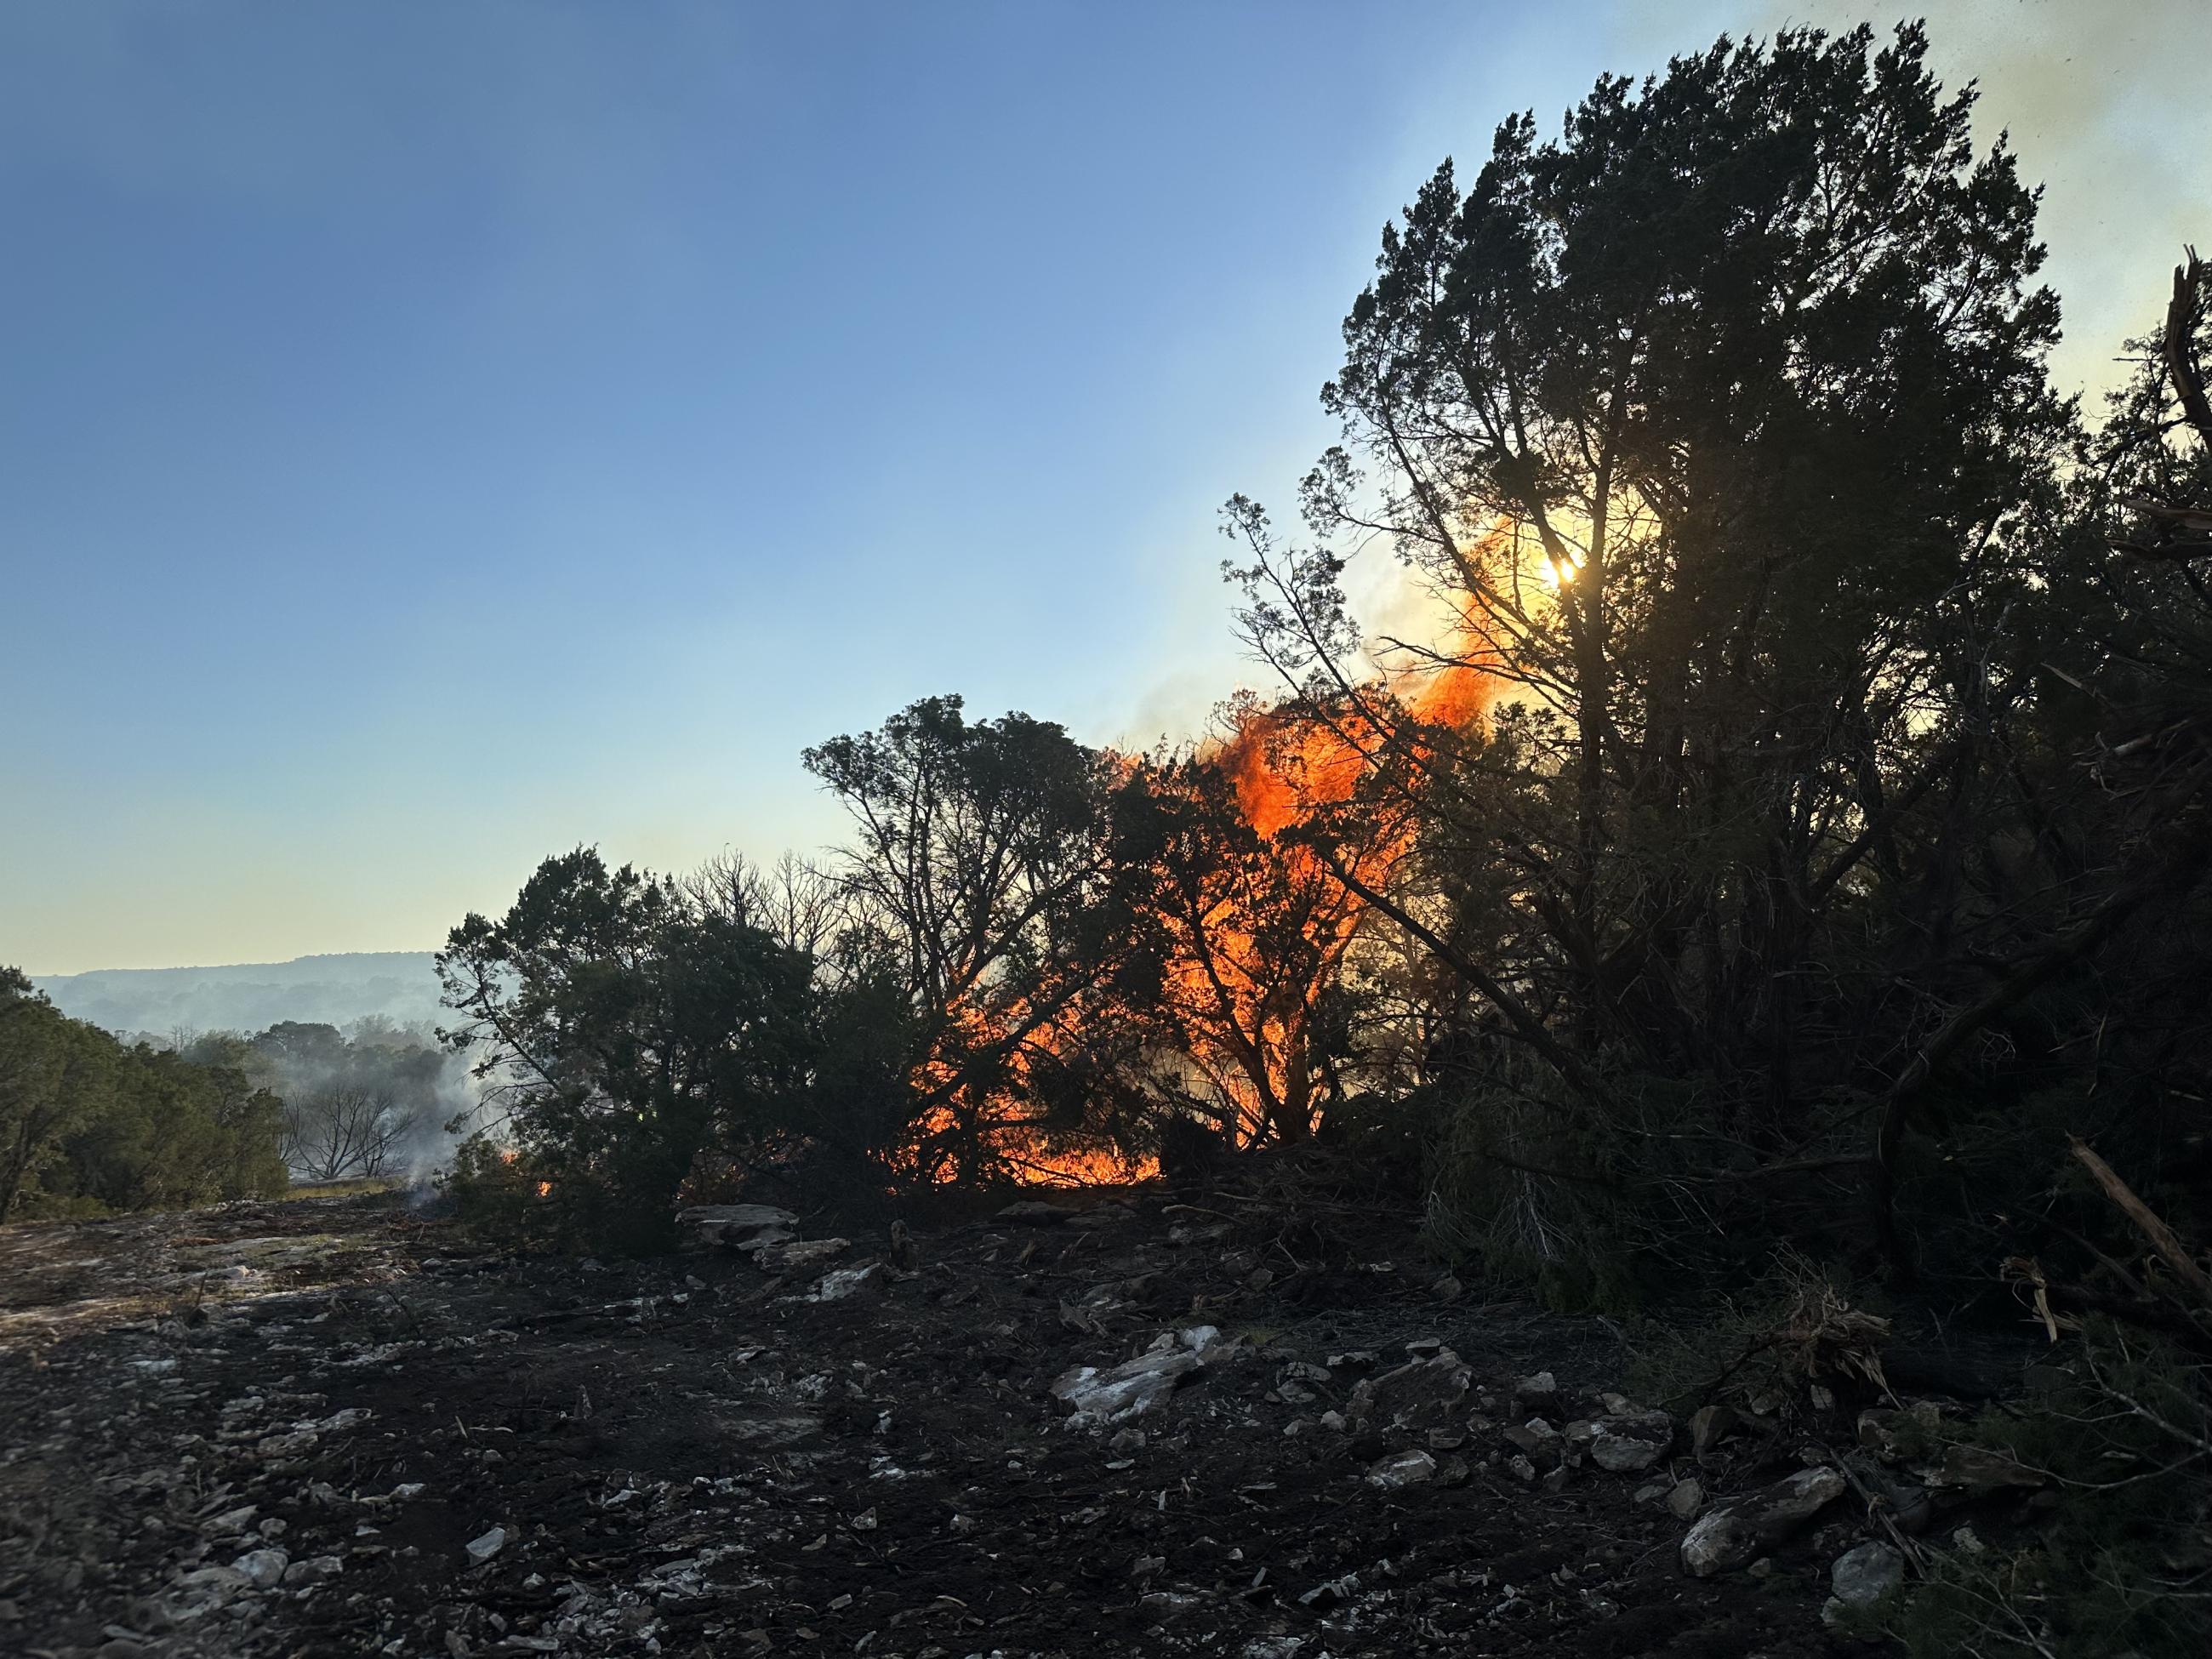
(401, 985)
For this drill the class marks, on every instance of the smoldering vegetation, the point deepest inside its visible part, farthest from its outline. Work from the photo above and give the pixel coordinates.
(103, 1123)
(375, 1100)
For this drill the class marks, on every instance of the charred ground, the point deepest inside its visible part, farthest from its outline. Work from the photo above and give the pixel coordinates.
(690, 1456)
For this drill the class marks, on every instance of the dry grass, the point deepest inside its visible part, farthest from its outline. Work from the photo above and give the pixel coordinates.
(342, 1188)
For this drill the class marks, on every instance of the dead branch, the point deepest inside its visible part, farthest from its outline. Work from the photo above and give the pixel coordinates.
(2189, 280)
(2162, 1238)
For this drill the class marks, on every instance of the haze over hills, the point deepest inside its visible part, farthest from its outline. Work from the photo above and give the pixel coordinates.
(400, 985)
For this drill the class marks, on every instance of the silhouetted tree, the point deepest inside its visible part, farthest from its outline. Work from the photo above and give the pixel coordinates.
(622, 1031)
(983, 873)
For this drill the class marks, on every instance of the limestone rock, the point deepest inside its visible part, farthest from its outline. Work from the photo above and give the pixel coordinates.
(1629, 1444)
(1418, 1395)
(1861, 1577)
(747, 1226)
(1130, 1389)
(263, 1569)
(782, 1254)
(315, 1570)
(850, 1281)
(1735, 1532)
(1402, 1469)
(1708, 1425)
(1537, 1394)
(1537, 1440)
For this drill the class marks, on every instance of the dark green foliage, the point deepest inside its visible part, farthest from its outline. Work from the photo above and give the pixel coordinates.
(2118, 1563)
(86, 1124)
(903, 1023)
(624, 1030)
(183, 1134)
(1806, 842)
(55, 1073)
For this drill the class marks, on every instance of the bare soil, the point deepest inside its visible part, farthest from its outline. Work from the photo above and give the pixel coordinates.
(689, 1457)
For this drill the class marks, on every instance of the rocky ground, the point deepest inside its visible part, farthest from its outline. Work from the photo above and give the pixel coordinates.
(332, 1426)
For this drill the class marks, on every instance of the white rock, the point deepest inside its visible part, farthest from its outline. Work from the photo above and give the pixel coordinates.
(800, 1253)
(219, 1582)
(263, 1569)
(1402, 1469)
(482, 1550)
(1539, 1392)
(1861, 1577)
(1128, 1390)
(233, 1520)
(851, 1281)
(1631, 1444)
(746, 1225)
(315, 1570)
(1735, 1532)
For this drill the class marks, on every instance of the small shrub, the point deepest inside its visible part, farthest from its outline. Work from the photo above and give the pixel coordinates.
(1795, 1326)
(1519, 1194)
(2120, 1565)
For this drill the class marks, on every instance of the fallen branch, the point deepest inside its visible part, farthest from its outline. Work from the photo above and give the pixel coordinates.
(2163, 1239)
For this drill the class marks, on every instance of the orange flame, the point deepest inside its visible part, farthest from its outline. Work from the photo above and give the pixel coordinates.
(1250, 1011)
(1243, 995)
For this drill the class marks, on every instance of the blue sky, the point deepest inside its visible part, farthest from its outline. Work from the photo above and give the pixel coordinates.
(439, 434)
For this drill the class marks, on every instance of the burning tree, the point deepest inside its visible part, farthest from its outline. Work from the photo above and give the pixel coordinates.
(1718, 419)
(1251, 926)
(983, 878)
